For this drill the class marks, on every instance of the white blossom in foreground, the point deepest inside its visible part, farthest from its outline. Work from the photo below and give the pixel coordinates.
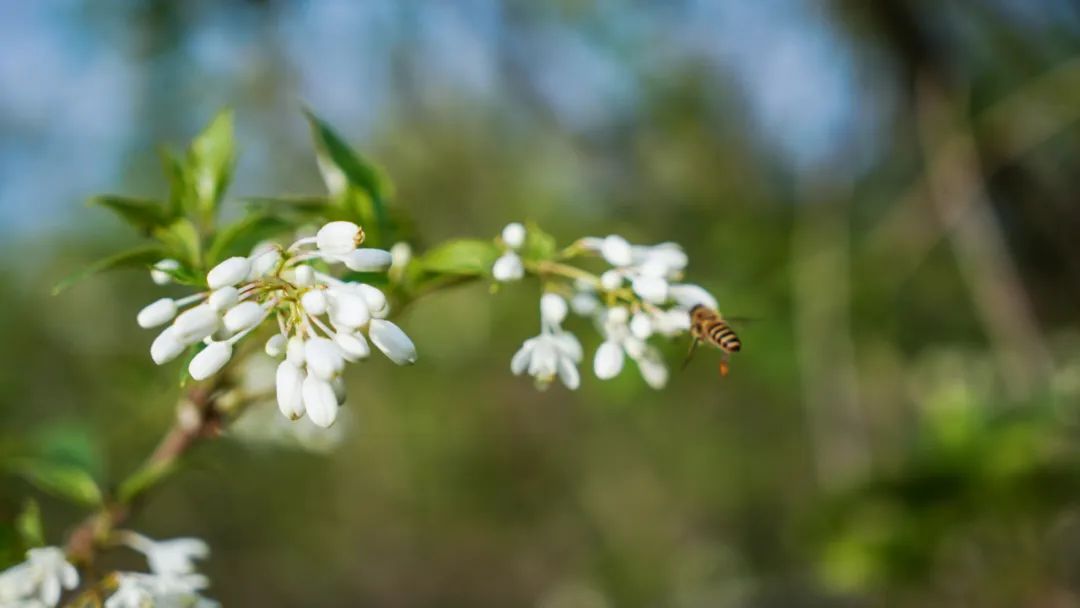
(172, 580)
(323, 322)
(554, 352)
(39, 580)
(639, 296)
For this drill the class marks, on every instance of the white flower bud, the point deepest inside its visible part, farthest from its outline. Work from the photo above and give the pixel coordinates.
(323, 358)
(224, 298)
(617, 315)
(617, 251)
(553, 308)
(349, 310)
(263, 263)
(289, 379)
(276, 345)
(608, 361)
(508, 267)
(319, 401)
(368, 260)
(373, 297)
(304, 276)
(514, 235)
(210, 360)
(159, 274)
(314, 302)
(339, 238)
(653, 370)
(354, 347)
(295, 351)
(392, 341)
(668, 254)
(158, 313)
(672, 322)
(584, 304)
(243, 316)
(651, 289)
(641, 326)
(611, 280)
(196, 323)
(569, 374)
(654, 268)
(229, 272)
(166, 346)
(688, 295)
(400, 254)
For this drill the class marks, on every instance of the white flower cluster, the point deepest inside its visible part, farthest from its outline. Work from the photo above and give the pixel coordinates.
(38, 581)
(640, 296)
(172, 580)
(321, 320)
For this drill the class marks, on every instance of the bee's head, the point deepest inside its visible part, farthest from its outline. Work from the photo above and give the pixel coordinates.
(695, 308)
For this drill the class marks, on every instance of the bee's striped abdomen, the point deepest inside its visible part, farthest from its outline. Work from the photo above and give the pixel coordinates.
(723, 336)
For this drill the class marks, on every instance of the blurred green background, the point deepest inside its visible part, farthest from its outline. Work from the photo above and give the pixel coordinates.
(888, 187)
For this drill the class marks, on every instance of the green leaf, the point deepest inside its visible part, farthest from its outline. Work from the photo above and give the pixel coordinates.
(303, 205)
(210, 161)
(352, 180)
(462, 256)
(181, 195)
(182, 242)
(241, 236)
(142, 214)
(539, 245)
(139, 257)
(62, 480)
(28, 525)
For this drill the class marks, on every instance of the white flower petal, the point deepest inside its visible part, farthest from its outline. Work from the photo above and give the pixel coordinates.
(568, 374)
(617, 251)
(264, 263)
(522, 357)
(323, 358)
(160, 274)
(196, 323)
(229, 272)
(368, 260)
(688, 295)
(295, 351)
(611, 280)
(276, 345)
(210, 360)
(348, 309)
(568, 346)
(289, 379)
(166, 347)
(314, 302)
(553, 308)
(508, 268)
(514, 235)
(354, 347)
(303, 276)
(339, 238)
(608, 361)
(650, 288)
(224, 298)
(641, 325)
(584, 304)
(653, 370)
(392, 341)
(243, 316)
(157, 313)
(373, 297)
(320, 402)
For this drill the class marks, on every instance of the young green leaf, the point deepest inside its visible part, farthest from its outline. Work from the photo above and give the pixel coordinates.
(28, 525)
(181, 242)
(139, 257)
(142, 214)
(539, 245)
(241, 236)
(181, 195)
(462, 257)
(62, 480)
(210, 160)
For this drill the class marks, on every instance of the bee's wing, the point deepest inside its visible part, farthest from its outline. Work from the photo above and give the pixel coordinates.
(690, 353)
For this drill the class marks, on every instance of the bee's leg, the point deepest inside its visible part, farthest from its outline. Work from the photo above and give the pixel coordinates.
(689, 353)
(724, 367)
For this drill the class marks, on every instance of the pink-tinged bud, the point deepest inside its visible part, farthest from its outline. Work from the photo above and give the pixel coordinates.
(229, 272)
(323, 358)
(353, 346)
(243, 316)
(289, 380)
(349, 310)
(224, 298)
(166, 347)
(196, 323)
(314, 302)
(368, 260)
(392, 342)
(339, 238)
(210, 360)
(319, 401)
(158, 313)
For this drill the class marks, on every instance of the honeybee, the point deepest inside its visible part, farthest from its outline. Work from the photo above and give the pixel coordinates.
(708, 326)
